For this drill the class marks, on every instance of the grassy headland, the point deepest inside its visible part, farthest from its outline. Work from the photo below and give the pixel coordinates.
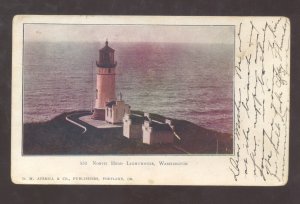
(59, 136)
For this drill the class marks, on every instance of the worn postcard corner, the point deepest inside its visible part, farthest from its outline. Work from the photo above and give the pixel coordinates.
(141, 100)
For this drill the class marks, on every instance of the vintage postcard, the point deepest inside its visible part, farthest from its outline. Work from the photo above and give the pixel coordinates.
(150, 100)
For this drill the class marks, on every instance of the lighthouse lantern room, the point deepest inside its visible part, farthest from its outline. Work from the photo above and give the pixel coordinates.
(105, 85)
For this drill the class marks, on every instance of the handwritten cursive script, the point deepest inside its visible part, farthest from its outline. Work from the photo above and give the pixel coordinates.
(261, 100)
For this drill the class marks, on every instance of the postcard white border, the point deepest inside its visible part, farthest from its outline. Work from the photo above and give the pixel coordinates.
(237, 169)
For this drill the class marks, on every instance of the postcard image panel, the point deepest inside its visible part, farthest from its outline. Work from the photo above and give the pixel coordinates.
(140, 100)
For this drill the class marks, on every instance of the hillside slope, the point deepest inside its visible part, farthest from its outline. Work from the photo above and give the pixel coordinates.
(59, 136)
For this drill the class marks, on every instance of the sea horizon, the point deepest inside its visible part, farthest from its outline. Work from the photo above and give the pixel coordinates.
(192, 82)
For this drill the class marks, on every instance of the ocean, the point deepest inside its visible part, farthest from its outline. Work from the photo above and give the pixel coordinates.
(193, 82)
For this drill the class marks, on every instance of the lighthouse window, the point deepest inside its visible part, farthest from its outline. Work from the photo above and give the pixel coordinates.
(108, 70)
(96, 93)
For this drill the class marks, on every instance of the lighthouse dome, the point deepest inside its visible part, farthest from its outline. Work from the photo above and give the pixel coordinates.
(106, 57)
(106, 48)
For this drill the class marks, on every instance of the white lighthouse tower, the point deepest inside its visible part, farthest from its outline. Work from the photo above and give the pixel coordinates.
(105, 86)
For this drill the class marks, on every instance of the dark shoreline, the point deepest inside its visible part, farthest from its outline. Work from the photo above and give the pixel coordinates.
(59, 137)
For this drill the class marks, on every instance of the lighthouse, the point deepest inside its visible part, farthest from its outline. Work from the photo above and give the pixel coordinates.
(105, 85)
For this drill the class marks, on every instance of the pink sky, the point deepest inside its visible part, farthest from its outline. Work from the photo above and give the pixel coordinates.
(129, 33)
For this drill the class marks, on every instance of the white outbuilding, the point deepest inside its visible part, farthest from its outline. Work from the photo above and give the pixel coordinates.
(157, 133)
(132, 126)
(115, 111)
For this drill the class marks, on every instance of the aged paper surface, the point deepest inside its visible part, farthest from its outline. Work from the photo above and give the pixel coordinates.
(140, 100)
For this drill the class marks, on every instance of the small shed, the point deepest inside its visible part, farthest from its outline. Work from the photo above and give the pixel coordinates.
(157, 133)
(132, 126)
(115, 111)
